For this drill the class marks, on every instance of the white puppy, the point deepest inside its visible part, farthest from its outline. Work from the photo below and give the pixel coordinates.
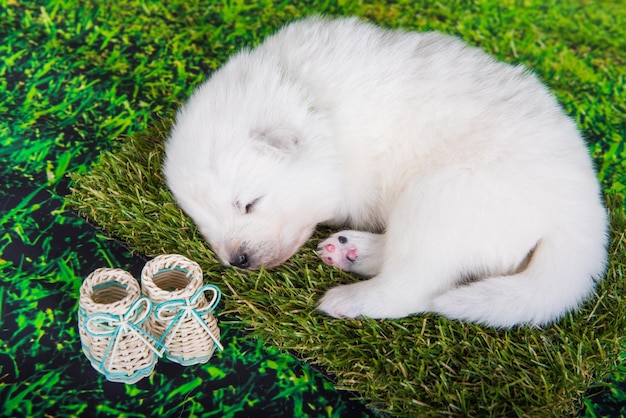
(470, 191)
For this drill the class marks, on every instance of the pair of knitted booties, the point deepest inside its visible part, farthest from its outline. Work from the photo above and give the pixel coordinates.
(125, 329)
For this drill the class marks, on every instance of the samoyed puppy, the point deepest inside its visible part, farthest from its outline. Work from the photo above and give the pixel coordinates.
(466, 189)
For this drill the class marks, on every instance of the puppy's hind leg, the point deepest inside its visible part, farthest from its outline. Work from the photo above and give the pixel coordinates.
(444, 227)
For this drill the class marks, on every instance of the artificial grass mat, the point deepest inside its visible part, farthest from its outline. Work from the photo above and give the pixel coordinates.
(418, 366)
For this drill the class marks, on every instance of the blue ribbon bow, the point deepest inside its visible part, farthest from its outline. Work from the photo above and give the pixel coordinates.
(104, 324)
(184, 309)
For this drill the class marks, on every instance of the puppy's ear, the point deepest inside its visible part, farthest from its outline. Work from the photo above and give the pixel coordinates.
(280, 140)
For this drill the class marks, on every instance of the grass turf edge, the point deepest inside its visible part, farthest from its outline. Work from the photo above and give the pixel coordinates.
(422, 365)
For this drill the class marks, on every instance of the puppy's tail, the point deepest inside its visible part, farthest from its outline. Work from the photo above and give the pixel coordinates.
(561, 273)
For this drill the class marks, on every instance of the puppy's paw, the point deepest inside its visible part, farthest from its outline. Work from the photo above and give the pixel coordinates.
(341, 302)
(338, 251)
(356, 251)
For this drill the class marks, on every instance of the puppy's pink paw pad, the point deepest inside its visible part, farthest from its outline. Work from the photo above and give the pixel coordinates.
(337, 251)
(351, 254)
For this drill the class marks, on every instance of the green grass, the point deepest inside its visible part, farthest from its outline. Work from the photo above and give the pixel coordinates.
(422, 365)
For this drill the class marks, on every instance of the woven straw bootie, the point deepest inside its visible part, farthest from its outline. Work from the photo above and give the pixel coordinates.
(112, 324)
(182, 317)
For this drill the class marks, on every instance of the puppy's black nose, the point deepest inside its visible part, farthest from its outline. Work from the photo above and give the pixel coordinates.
(241, 261)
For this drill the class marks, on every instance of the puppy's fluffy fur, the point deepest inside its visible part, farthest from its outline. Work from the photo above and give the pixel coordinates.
(468, 191)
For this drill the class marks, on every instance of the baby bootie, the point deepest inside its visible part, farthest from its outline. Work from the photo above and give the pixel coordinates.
(112, 324)
(182, 317)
